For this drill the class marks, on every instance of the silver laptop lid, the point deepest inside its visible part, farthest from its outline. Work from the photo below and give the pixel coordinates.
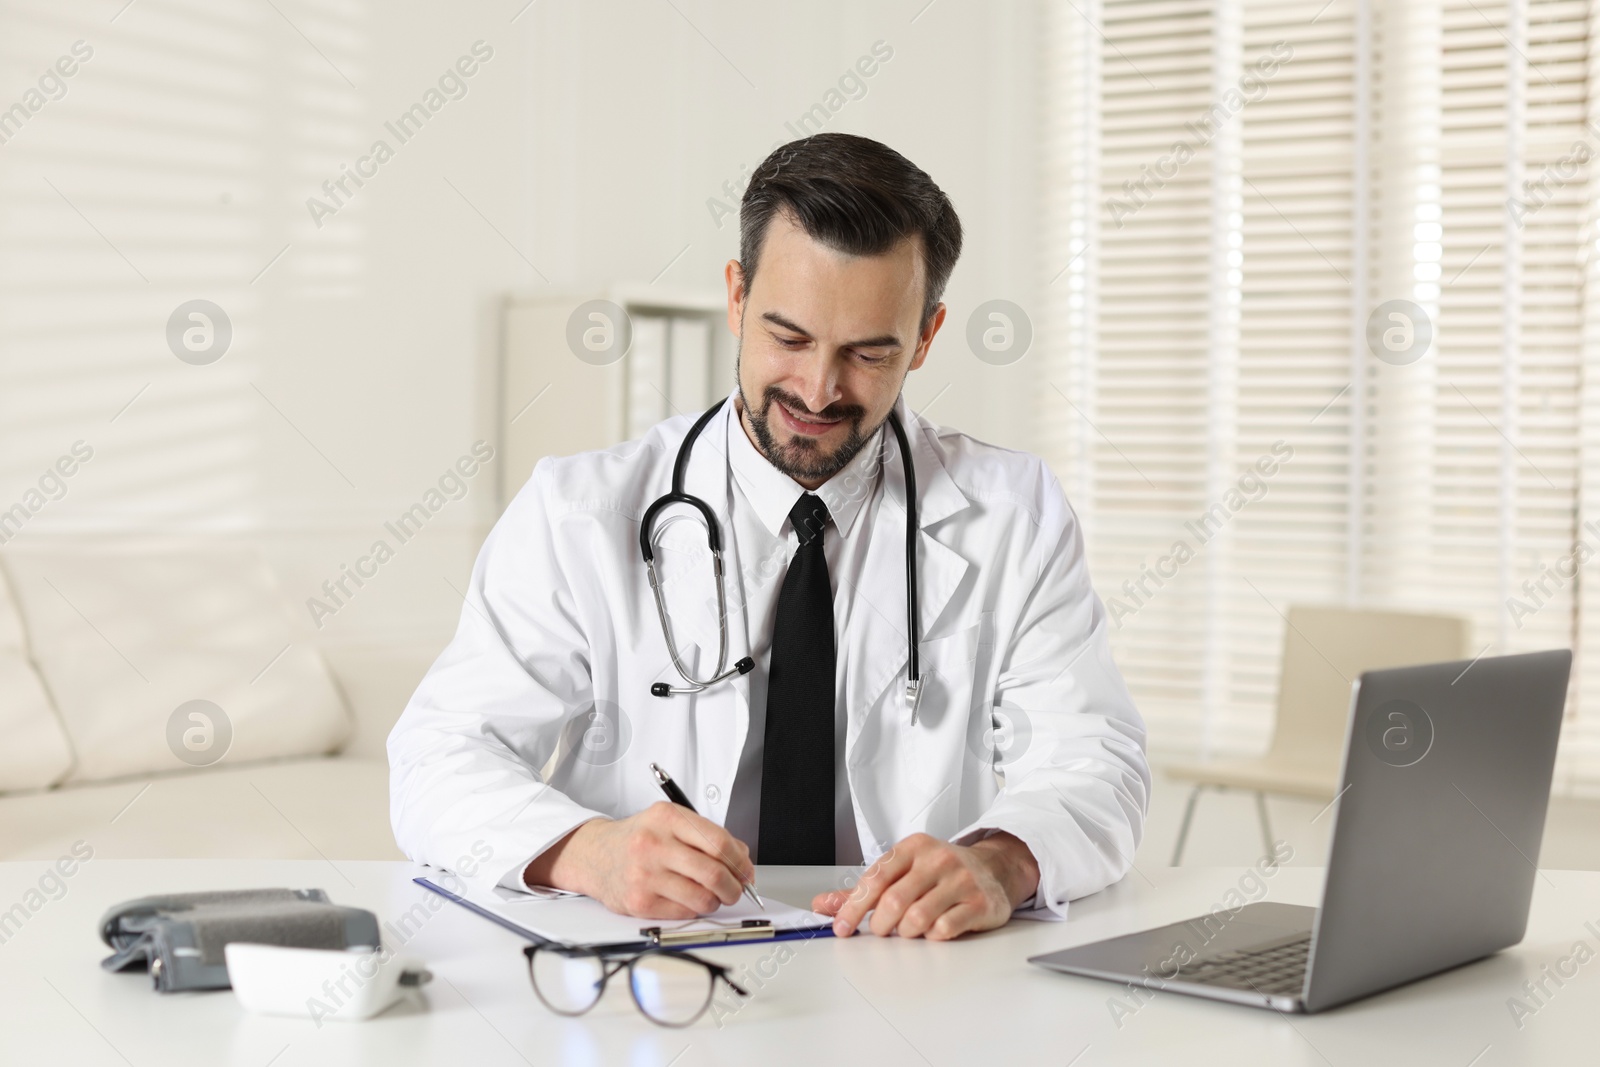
(1435, 847)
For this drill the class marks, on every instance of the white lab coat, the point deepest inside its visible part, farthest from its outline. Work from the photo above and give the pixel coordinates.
(559, 643)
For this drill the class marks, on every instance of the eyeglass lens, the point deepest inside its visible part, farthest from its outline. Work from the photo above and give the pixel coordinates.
(670, 989)
(567, 984)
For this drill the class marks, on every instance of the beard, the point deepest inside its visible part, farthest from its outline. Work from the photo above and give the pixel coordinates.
(802, 458)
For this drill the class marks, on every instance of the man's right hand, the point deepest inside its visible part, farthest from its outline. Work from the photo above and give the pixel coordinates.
(664, 863)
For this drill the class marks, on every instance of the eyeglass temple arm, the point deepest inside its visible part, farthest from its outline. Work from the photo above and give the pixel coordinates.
(722, 972)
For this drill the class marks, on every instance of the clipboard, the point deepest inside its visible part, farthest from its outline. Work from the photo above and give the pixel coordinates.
(582, 922)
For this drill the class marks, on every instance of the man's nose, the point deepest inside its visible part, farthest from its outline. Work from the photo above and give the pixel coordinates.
(818, 387)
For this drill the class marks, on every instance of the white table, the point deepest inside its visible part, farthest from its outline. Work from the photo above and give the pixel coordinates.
(863, 1000)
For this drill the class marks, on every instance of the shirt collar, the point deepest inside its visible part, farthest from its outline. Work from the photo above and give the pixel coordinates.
(772, 493)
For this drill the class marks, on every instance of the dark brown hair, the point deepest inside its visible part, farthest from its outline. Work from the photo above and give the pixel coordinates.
(856, 196)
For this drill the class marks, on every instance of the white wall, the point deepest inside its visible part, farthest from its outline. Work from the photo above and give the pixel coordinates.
(178, 165)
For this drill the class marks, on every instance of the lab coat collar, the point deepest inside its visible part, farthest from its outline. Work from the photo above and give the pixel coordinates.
(772, 494)
(938, 496)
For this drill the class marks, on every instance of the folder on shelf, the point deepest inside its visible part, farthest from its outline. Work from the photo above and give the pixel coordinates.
(583, 922)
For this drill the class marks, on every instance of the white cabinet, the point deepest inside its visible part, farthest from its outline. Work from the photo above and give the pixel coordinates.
(587, 369)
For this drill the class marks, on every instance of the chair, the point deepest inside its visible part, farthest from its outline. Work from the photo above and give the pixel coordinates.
(1324, 651)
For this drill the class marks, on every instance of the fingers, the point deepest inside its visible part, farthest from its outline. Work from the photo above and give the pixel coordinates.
(864, 897)
(686, 893)
(702, 834)
(923, 888)
(667, 895)
(917, 884)
(828, 903)
(663, 864)
(706, 871)
(915, 902)
(957, 921)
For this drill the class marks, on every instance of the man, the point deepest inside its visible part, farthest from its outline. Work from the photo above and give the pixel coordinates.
(534, 732)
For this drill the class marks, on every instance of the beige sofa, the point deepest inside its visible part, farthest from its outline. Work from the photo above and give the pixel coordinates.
(164, 701)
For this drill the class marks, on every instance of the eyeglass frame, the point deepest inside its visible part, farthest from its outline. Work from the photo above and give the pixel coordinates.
(613, 962)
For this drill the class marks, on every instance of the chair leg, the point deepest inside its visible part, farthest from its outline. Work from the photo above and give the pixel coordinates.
(1183, 831)
(1266, 826)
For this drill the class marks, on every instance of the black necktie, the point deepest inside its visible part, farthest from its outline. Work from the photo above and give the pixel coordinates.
(797, 754)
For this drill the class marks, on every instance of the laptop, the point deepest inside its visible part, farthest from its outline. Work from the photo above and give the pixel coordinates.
(1435, 848)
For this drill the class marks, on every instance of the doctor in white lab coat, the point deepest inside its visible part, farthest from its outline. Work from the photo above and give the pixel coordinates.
(1022, 782)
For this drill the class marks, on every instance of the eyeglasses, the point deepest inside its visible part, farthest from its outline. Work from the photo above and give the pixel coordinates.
(671, 988)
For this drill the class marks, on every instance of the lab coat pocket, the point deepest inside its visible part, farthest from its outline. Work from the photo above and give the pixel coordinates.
(886, 729)
(906, 777)
(931, 752)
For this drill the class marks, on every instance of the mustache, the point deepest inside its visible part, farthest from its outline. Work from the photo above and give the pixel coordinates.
(853, 412)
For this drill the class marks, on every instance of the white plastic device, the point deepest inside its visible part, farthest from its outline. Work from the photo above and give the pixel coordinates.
(318, 984)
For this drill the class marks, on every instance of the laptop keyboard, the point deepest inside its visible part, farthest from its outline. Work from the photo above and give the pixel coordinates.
(1280, 969)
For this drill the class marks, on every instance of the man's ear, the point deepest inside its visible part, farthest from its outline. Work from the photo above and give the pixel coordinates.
(733, 274)
(925, 339)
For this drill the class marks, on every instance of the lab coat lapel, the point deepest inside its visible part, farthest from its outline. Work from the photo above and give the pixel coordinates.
(877, 632)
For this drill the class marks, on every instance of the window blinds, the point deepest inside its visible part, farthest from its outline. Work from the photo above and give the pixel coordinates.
(1234, 190)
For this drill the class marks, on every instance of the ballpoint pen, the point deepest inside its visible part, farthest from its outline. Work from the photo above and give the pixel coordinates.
(674, 794)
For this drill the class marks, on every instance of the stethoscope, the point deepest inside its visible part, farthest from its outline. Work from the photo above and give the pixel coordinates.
(714, 540)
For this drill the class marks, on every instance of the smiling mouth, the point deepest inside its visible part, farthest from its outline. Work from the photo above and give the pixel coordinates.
(807, 423)
(813, 447)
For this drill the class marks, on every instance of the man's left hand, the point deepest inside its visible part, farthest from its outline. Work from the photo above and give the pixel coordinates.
(925, 887)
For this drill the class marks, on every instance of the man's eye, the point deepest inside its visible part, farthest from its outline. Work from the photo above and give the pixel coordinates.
(871, 361)
(792, 342)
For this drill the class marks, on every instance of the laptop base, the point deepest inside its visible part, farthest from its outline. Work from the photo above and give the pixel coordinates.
(1194, 956)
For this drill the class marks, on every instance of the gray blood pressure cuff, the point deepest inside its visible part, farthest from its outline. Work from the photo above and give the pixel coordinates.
(179, 937)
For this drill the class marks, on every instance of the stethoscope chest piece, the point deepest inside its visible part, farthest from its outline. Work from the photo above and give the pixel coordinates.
(913, 697)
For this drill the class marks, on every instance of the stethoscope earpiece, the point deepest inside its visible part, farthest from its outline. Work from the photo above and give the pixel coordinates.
(714, 540)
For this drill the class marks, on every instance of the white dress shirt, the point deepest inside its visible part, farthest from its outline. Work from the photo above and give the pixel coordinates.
(762, 499)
